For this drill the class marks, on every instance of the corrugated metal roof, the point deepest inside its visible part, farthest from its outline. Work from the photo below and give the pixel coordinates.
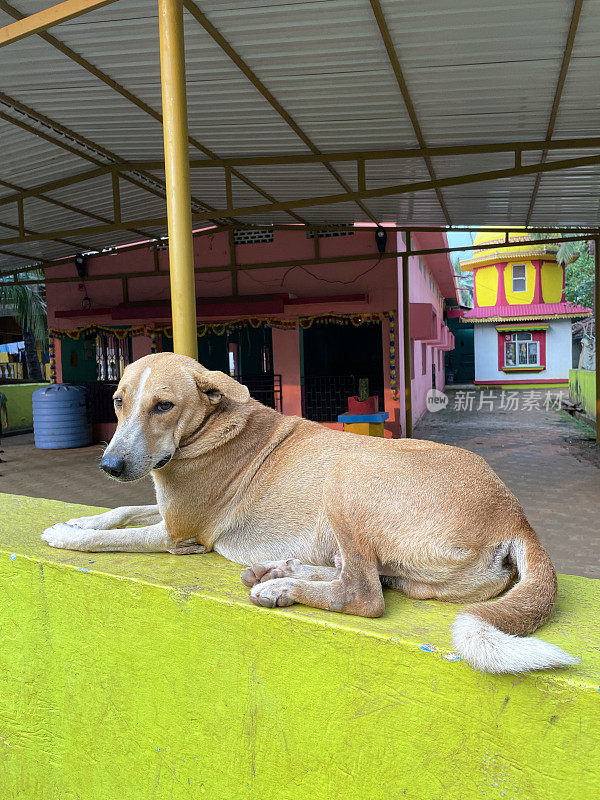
(475, 72)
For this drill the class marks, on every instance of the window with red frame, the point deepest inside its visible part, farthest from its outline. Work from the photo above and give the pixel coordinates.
(522, 350)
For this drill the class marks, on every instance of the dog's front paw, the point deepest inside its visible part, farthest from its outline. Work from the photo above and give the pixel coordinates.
(83, 523)
(278, 592)
(187, 548)
(65, 536)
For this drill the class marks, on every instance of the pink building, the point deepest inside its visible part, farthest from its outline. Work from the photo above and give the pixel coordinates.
(300, 334)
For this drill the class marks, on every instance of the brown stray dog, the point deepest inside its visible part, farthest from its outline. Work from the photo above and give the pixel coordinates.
(323, 518)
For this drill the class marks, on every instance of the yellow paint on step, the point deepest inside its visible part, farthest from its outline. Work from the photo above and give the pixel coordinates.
(364, 428)
(153, 676)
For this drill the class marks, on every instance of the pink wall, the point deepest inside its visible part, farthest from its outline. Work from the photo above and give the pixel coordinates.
(424, 288)
(148, 282)
(286, 362)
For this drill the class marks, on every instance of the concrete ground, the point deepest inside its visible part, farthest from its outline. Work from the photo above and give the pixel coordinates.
(542, 454)
(69, 475)
(545, 457)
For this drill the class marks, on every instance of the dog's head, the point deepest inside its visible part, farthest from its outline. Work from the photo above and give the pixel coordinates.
(163, 404)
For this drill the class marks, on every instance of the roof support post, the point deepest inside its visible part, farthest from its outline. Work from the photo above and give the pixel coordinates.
(406, 343)
(177, 174)
(597, 326)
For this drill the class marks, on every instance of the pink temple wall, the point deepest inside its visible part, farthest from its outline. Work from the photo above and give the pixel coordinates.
(424, 288)
(377, 279)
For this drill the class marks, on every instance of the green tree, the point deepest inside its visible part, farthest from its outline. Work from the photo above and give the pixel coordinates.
(29, 309)
(579, 278)
(464, 283)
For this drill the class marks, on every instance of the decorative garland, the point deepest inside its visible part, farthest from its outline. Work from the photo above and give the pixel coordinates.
(220, 328)
(152, 331)
(52, 356)
(392, 346)
(343, 319)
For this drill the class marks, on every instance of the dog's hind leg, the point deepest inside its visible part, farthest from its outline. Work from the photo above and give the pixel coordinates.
(291, 568)
(148, 539)
(356, 589)
(118, 518)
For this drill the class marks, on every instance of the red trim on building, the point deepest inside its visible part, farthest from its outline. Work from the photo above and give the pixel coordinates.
(523, 380)
(501, 299)
(537, 291)
(528, 311)
(218, 306)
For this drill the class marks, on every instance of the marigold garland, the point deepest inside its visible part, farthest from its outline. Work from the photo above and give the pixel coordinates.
(220, 328)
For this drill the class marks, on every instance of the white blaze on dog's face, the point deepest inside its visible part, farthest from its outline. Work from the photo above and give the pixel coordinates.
(162, 400)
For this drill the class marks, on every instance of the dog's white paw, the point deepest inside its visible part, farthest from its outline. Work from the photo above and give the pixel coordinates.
(269, 570)
(65, 536)
(278, 592)
(86, 523)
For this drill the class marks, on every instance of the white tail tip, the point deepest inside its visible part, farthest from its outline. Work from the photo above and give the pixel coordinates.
(488, 649)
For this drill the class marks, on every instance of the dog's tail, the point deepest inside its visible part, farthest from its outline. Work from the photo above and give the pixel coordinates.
(488, 635)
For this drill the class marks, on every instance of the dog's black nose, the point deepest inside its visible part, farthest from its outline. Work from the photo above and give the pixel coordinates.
(112, 465)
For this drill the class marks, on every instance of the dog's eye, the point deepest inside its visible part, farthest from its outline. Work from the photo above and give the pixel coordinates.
(118, 401)
(165, 405)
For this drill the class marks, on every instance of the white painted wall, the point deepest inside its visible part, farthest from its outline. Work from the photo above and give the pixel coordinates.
(558, 353)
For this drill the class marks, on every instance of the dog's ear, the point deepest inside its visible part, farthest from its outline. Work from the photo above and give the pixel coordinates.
(216, 385)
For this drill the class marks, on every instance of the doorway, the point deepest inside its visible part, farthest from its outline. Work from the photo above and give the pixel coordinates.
(336, 357)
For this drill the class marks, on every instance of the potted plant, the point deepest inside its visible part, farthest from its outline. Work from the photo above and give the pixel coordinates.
(363, 403)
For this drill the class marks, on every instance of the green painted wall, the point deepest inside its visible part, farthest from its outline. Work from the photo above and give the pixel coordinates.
(139, 677)
(582, 389)
(20, 412)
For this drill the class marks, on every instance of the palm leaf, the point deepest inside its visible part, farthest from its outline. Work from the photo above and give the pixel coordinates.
(28, 307)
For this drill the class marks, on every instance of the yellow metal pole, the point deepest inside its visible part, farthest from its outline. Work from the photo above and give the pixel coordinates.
(597, 331)
(177, 175)
(406, 340)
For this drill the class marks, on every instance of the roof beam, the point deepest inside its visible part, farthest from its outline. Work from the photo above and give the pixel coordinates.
(560, 85)
(87, 147)
(515, 148)
(14, 254)
(315, 260)
(218, 37)
(308, 202)
(29, 232)
(577, 234)
(410, 108)
(48, 18)
(20, 194)
(132, 98)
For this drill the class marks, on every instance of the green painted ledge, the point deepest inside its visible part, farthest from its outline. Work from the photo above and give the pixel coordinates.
(137, 677)
(582, 389)
(19, 404)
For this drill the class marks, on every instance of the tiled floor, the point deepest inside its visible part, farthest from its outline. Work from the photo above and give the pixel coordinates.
(545, 457)
(542, 455)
